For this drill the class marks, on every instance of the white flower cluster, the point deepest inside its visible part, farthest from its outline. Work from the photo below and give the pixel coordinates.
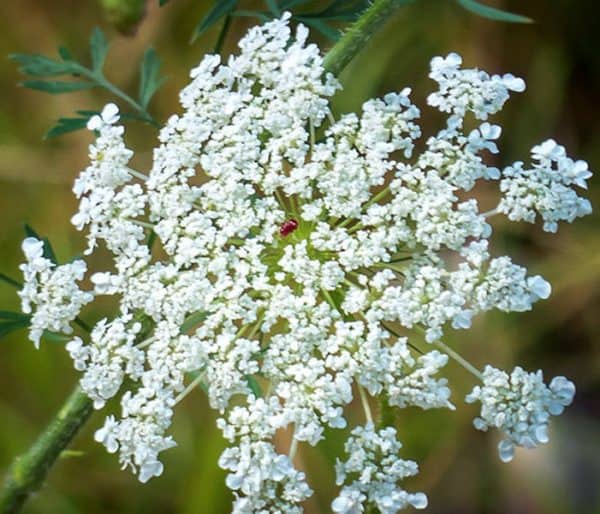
(300, 265)
(469, 90)
(546, 188)
(267, 481)
(50, 292)
(520, 405)
(108, 202)
(372, 473)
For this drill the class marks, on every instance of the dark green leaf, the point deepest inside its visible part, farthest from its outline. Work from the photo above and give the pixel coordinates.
(162, 2)
(39, 66)
(245, 13)
(129, 116)
(10, 281)
(149, 77)
(48, 250)
(492, 13)
(341, 10)
(322, 27)
(65, 53)
(66, 125)
(55, 87)
(12, 316)
(98, 49)
(273, 7)
(288, 4)
(220, 9)
(11, 321)
(87, 114)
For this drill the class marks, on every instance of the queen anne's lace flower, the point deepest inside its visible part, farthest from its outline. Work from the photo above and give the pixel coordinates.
(300, 257)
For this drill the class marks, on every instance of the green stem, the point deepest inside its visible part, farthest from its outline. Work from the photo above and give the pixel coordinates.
(28, 471)
(102, 82)
(359, 33)
(459, 359)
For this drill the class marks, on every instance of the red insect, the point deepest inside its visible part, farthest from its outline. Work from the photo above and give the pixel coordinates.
(287, 227)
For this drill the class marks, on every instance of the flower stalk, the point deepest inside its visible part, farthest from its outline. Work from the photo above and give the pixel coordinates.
(28, 471)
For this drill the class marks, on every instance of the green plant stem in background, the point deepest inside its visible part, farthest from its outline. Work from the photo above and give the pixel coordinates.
(28, 472)
(359, 33)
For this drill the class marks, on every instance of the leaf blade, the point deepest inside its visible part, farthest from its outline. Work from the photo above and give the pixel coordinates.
(492, 13)
(150, 81)
(10, 281)
(36, 65)
(320, 25)
(98, 49)
(12, 321)
(57, 87)
(66, 125)
(48, 250)
(220, 9)
(288, 4)
(273, 7)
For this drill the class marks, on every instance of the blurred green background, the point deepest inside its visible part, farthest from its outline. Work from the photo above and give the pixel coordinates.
(558, 55)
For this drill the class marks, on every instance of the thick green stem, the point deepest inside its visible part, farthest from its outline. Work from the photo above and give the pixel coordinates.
(29, 470)
(359, 33)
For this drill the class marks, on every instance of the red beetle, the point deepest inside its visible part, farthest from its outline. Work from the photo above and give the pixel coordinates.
(287, 227)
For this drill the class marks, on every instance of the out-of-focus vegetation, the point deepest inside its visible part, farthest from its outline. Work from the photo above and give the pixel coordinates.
(558, 56)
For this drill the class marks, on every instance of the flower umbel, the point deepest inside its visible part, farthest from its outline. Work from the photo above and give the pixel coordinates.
(305, 260)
